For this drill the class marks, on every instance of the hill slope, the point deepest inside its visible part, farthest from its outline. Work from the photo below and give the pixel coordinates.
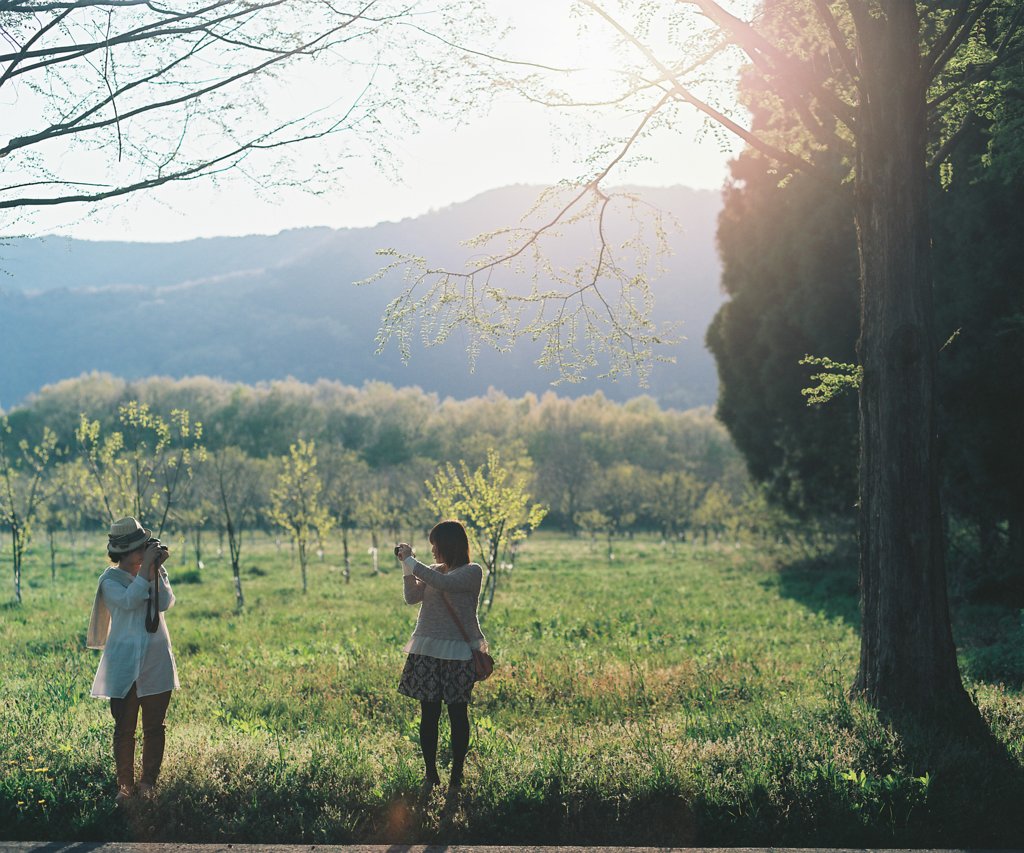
(266, 307)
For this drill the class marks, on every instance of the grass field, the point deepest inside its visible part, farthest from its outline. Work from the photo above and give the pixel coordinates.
(686, 697)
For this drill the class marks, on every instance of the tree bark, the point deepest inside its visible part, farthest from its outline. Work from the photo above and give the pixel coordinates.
(908, 660)
(239, 595)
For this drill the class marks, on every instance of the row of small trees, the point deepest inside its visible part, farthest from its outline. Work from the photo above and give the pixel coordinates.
(159, 470)
(587, 465)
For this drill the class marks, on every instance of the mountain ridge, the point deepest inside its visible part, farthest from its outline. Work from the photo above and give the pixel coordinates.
(265, 307)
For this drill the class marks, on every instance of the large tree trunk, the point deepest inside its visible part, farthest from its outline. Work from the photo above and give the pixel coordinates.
(907, 660)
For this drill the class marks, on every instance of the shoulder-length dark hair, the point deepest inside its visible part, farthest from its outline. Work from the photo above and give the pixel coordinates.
(452, 543)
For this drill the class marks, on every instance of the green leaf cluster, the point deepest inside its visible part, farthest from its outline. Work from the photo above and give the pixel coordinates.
(143, 468)
(296, 503)
(839, 378)
(494, 504)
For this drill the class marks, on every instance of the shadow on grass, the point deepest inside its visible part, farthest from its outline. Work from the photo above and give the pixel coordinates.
(975, 782)
(989, 635)
(976, 785)
(523, 817)
(825, 583)
(550, 816)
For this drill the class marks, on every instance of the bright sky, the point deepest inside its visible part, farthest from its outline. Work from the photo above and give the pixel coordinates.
(515, 142)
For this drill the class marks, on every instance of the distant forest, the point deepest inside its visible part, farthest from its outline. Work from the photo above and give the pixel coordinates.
(596, 464)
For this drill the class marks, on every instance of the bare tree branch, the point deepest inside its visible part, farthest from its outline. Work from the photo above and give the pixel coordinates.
(77, 126)
(772, 60)
(560, 316)
(847, 58)
(630, 93)
(50, 183)
(864, 23)
(157, 29)
(592, 185)
(503, 60)
(36, 8)
(42, 31)
(684, 94)
(110, 89)
(210, 166)
(183, 98)
(780, 156)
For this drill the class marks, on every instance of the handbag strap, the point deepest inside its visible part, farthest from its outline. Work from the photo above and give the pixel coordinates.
(455, 617)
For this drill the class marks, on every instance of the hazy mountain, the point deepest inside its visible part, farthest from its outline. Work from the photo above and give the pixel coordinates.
(266, 307)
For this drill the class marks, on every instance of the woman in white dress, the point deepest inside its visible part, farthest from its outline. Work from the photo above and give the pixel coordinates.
(137, 670)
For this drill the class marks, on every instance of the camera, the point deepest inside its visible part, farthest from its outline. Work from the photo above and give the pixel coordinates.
(396, 550)
(158, 543)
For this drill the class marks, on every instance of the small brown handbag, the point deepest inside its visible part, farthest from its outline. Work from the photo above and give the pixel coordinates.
(483, 663)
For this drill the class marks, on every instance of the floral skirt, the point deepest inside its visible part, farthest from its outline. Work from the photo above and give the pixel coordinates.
(435, 680)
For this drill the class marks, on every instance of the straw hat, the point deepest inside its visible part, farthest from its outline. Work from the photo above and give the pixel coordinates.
(126, 534)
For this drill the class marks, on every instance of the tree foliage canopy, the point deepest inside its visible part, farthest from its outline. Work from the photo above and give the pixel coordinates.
(494, 504)
(790, 268)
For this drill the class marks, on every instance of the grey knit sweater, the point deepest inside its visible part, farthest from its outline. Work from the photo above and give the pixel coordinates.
(436, 633)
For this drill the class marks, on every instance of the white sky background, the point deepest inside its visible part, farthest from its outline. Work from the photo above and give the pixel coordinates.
(514, 142)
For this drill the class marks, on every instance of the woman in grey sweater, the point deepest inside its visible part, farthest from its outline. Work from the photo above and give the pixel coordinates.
(440, 662)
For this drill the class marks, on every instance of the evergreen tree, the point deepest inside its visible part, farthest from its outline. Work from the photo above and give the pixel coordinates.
(789, 264)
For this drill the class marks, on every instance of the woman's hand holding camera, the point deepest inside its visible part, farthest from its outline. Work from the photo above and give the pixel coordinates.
(402, 550)
(153, 558)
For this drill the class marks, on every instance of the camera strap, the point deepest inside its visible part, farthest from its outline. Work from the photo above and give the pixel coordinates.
(153, 602)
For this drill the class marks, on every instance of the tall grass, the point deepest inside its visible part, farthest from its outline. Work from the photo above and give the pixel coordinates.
(675, 696)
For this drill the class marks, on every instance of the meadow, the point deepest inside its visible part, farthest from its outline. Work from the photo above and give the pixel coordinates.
(677, 695)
